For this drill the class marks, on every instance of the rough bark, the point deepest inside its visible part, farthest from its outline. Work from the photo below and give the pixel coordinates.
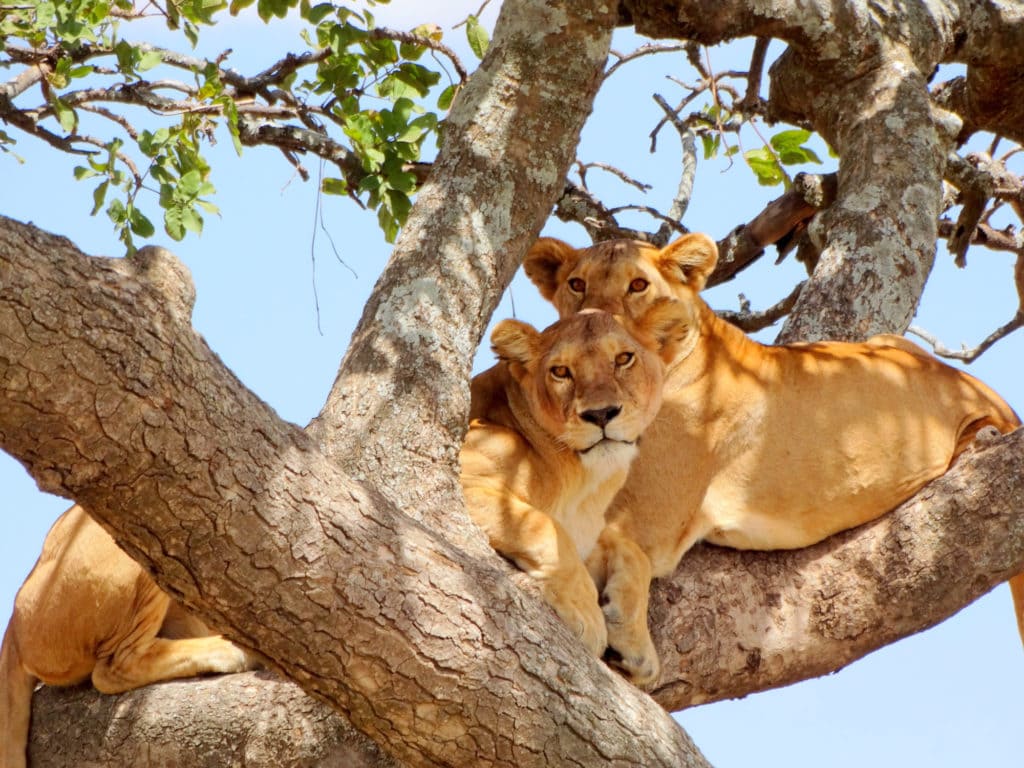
(256, 720)
(859, 74)
(109, 397)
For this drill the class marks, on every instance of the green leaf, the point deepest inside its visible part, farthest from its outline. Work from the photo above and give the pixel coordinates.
(268, 9)
(116, 211)
(477, 36)
(190, 183)
(65, 116)
(334, 186)
(173, 225)
(140, 225)
(148, 60)
(789, 147)
(444, 101)
(711, 143)
(98, 196)
(765, 167)
(191, 220)
(318, 13)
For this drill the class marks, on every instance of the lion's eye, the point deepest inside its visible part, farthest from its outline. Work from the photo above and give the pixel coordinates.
(638, 285)
(624, 359)
(561, 372)
(577, 284)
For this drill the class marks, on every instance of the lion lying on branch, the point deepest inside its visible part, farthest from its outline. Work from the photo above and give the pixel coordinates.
(755, 447)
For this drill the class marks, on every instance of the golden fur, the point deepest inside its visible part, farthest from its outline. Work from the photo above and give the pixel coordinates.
(756, 447)
(87, 610)
(554, 426)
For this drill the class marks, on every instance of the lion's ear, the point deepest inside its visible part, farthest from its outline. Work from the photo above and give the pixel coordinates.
(543, 262)
(514, 341)
(664, 326)
(690, 259)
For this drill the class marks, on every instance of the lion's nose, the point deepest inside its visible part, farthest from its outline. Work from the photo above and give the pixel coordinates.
(601, 416)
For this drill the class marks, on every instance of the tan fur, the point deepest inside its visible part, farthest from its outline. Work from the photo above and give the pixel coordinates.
(757, 447)
(538, 466)
(88, 611)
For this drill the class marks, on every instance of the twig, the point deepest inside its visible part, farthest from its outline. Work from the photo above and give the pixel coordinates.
(684, 190)
(121, 120)
(755, 321)
(965, 354)
(752, 101)
(1007, 239)
(426, 42)
(621, 175)
(644, 50)
(654, 214)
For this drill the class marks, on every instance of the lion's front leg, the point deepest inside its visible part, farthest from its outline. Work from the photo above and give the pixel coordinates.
(541, 548)
(623, 572)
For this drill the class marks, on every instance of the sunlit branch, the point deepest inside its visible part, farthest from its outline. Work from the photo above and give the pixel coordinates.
(644, 50)
(966, 354)
(751, 321)
(687, 173)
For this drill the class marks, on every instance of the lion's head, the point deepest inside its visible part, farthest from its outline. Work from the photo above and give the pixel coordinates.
(592, 381)
(620, 276)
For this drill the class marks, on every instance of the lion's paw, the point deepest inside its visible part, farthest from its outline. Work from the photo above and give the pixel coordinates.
(630, 648)
(641, 669)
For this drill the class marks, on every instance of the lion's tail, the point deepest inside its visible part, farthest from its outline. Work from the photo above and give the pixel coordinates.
(1007, 422)
(16, 686)
(1017, 590)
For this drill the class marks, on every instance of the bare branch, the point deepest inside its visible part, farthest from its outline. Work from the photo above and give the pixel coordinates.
(964, 354)
(778, 222)
(620, 174)
(750, 321)
(1007, 239)
(752, 101)
(684, 190)
(644, 50)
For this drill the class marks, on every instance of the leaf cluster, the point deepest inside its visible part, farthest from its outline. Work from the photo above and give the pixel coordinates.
(363, 97)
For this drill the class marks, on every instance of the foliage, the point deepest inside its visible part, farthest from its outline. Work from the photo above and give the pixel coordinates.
(355, 93)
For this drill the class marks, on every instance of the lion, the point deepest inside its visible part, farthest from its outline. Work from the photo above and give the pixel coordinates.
(554, 426)
(755, 447)
(88, 611)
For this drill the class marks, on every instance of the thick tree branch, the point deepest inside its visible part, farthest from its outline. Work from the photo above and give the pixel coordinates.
(256, 720)
(109, 397)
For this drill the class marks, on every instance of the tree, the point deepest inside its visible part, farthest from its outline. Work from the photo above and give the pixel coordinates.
(110, 398)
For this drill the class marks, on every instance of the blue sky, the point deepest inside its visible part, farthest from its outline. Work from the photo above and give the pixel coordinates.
(943, 698)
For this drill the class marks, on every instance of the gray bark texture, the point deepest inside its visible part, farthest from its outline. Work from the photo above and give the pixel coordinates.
(341, 551)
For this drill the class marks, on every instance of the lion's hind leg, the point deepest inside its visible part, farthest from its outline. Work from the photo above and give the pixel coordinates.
(138, 657)
(16, 686)
(157, 658)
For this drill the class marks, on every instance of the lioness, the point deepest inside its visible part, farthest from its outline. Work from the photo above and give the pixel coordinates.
(554, 427)
(88, 610)
(756, 447)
